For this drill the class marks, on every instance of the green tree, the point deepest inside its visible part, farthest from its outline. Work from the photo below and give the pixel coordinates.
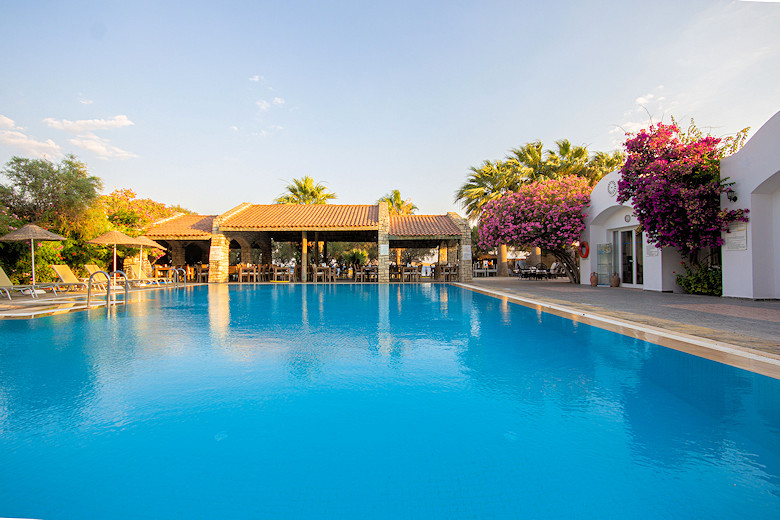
(529, 162)
(304, 191)
(602, 163)
(58, 195)
(397, 205)
(533, 163)
(131, 215)
(489, 182)
(486, 183)
(567, 160)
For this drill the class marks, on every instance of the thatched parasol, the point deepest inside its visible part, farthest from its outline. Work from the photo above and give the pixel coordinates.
(32, 233)
(145, 241)
(115, 238)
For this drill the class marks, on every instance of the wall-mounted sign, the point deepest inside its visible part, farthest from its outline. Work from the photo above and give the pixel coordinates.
(384, 249)
(651, 250)
(466, 253)
(736, 238)
(612, 187)
(627, 218)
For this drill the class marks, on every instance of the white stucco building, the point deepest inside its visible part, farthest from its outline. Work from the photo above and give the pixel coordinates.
(615, 245)
(751, 252)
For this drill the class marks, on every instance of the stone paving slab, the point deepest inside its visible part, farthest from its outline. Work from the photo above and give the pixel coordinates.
(753, 324)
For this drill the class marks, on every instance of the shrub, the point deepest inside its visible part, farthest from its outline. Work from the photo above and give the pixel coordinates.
(701, 279)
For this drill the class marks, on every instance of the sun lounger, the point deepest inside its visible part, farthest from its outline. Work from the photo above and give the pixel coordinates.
(6, 287)
(141, 281)
(100, 280)
(68, 280)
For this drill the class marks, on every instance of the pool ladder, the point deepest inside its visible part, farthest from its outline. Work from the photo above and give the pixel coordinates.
(176, 272)
(108, 276)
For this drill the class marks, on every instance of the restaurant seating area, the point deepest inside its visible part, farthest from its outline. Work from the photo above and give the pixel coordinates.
(263, 273)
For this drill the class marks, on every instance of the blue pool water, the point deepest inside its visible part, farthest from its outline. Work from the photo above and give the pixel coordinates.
(371, 402)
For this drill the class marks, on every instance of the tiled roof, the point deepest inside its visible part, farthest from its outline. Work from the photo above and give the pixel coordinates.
(184, 226)
(303, 216)
(422, 225)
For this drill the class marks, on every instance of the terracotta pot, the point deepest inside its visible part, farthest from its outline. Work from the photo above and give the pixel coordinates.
(594, 279)
(614, 280)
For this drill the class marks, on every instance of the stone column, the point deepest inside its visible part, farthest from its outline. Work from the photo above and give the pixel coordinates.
(383, 243)
(219, 258)
(452, 252)
(177, 252)
(246, 252)
(317, 248)
(443, 253)
(464, 248)
(264, 241)
(304, 256)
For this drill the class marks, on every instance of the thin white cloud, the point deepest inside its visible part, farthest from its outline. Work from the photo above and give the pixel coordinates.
(100, 147)
(651, 107)
(271, 130)
(254, 78)
(263, 104)
(88, 125)
(234, 128)
(11, 135)
(278, 101)
(84, 101)
(7, 122)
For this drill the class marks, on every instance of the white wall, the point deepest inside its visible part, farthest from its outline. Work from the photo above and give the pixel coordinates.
(660, 266)
(755, 271)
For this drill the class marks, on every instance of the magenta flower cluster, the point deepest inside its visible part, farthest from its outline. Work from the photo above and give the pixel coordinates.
(674, 187)
(546, 214)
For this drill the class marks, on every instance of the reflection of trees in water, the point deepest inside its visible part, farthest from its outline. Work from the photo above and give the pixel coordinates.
(43, 376)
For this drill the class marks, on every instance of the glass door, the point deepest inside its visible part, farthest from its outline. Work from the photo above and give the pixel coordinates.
(627, 256)
(627, 251)
(638, 240)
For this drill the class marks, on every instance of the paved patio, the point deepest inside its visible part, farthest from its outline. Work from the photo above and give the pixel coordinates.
(753, 324)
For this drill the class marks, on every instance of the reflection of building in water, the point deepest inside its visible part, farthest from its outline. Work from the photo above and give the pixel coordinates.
(219, 312)
(443, 299)
(505, 314)
(384, 338)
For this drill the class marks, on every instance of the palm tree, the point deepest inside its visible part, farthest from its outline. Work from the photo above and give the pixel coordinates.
(603, 163)
(529, 162)
(396, 205)
(486, 183)
(304, 191)
(567, 160)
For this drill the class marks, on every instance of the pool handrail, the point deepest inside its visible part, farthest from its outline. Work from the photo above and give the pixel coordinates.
(108, 287)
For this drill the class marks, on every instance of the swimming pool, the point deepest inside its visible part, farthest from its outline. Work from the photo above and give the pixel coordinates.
(371, 401)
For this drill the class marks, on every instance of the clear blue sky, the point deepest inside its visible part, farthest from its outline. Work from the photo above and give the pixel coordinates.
(210, 104)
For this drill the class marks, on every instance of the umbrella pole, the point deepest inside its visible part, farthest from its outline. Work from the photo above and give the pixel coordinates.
(32, 252)
(114, 263)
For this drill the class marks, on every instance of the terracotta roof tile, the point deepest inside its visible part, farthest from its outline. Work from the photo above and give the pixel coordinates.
(303, 216)
(184, 226)
(422, 225)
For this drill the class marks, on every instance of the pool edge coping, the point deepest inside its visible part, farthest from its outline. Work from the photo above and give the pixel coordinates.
(763, 363)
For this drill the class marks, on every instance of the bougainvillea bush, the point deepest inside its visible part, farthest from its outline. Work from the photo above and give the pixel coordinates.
(675, 188)
(546, 214)
(674, 185)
